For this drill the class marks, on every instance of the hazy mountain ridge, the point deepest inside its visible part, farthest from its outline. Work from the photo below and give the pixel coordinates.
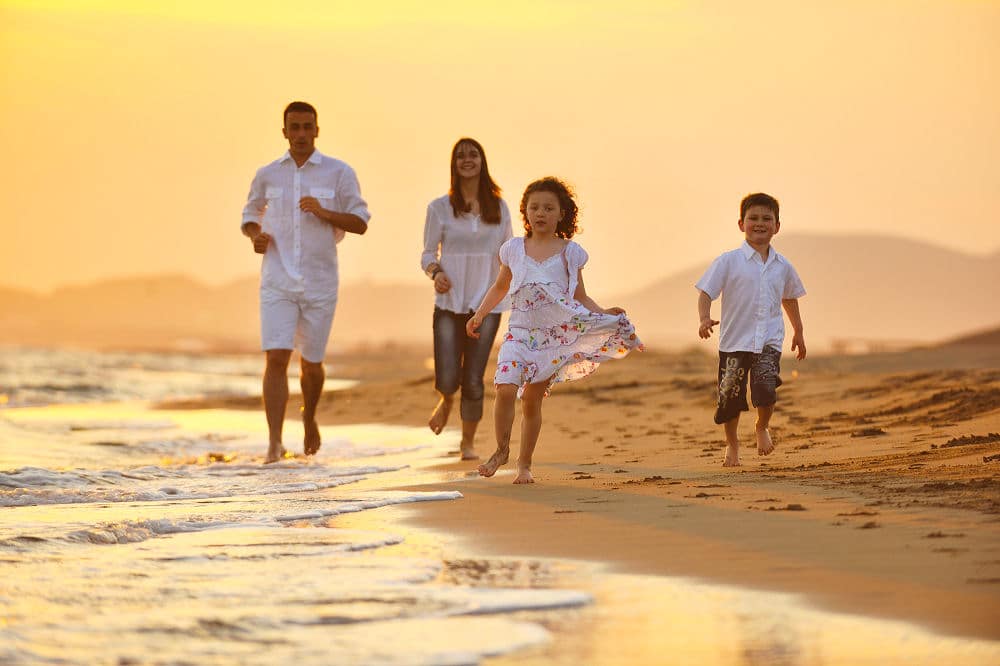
(863, 291)
(859, 289)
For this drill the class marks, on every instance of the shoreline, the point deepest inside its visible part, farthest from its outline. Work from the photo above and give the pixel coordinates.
(882, 498)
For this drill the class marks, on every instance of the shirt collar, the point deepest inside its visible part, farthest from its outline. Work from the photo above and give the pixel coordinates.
(749, 252)
(315, 158)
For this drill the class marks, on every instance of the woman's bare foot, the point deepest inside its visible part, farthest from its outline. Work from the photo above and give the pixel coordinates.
(732, 456)
(524, 475)
(439, 417)
(496, 461)
(468, 452)
(764, 443)
(275, 452)
(312, 441)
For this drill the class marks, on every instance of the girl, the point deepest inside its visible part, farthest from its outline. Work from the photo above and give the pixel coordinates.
(557, 333)
(462, 235)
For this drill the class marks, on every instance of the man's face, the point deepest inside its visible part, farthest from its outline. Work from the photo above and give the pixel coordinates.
(301, 131)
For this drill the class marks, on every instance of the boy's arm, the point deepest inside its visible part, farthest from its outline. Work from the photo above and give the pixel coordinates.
(705, 315)
(791, 306)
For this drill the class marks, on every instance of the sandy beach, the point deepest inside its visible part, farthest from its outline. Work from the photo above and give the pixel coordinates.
(881, 499)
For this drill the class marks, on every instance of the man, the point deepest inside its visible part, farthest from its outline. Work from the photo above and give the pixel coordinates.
(298, 209)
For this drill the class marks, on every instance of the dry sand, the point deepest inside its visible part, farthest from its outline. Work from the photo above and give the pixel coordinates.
(882, 497)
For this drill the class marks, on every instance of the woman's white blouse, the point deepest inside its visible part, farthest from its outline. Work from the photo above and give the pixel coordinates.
(468, 250)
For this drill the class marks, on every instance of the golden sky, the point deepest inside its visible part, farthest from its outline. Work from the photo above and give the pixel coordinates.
(131, 130)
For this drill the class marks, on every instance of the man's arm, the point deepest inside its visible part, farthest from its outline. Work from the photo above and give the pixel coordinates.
(259, 239)
(253, 212)
(346, 221)
(791, 306)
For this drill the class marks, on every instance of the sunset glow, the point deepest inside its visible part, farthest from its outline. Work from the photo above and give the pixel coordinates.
(133, 129)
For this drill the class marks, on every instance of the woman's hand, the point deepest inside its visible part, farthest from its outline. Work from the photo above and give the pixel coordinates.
(615, 311)
(442, 284)
(472, 327)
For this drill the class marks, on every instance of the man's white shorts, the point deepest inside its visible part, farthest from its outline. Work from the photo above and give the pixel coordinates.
(290, 321)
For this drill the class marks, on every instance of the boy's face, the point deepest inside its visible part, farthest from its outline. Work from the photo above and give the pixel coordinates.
(759, 225)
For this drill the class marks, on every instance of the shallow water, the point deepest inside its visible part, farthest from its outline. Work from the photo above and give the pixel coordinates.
(130, 535)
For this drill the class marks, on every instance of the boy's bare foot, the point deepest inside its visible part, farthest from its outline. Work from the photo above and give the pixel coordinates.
(764, 443)
(439, 417)
(312, 441)
(496, 461)
(732, 456)
(275, 452)
(524, 475)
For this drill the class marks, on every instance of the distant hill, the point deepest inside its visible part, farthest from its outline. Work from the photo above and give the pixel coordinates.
(176, 312)
(865, 293)
(990, 338)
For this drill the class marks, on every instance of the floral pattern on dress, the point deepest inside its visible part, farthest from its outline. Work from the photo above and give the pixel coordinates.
(554, 338)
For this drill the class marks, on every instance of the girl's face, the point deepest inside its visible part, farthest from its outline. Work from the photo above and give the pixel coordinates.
(468, 161)
(543, 213)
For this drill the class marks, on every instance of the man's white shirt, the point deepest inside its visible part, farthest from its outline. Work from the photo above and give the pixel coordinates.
(752, 291)
(302, 256)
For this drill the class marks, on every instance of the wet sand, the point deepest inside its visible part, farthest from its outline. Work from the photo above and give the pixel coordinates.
(882, 497)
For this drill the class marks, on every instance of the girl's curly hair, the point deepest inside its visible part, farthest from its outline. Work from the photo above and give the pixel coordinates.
(567, 226)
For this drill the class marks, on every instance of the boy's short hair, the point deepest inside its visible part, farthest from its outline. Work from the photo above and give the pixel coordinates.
(759, 199)
(300, 107)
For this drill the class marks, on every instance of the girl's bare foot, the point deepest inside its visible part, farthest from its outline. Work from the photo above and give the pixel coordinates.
(732, 456)
(312, 441)
(496, 461)
(439, 417)
(764, 443)
(524, 475)
(275, 452)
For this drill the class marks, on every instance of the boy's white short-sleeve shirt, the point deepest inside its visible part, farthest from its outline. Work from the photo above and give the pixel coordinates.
(751, 291)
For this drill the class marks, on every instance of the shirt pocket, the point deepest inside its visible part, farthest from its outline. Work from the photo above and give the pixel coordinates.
(325, 195)
(273, 196)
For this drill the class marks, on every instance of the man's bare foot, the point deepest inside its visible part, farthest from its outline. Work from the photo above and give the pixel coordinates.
(312, 441)
(496, 461)
(275, 452)
(732, 456)
(764, 443)
(439, 417)
(524, 475)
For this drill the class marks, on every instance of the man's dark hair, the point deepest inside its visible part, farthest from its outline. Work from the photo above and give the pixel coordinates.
(300, 107)
(759, 199)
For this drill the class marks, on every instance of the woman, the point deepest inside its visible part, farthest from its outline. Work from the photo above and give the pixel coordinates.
(462, 237)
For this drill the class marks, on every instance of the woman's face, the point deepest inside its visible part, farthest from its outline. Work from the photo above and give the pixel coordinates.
(468, 161)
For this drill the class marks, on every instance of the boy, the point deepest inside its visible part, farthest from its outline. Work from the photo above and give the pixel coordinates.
(753, 279)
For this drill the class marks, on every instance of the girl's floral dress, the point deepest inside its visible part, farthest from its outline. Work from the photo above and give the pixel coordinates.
(551, 336)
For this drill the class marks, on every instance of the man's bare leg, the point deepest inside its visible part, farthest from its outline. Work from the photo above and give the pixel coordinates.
(732, 442)
(311, 380)
(503, 421)
(275, 391)
(764, 443)
(439, 417)
(468, 446)
(531, 426)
